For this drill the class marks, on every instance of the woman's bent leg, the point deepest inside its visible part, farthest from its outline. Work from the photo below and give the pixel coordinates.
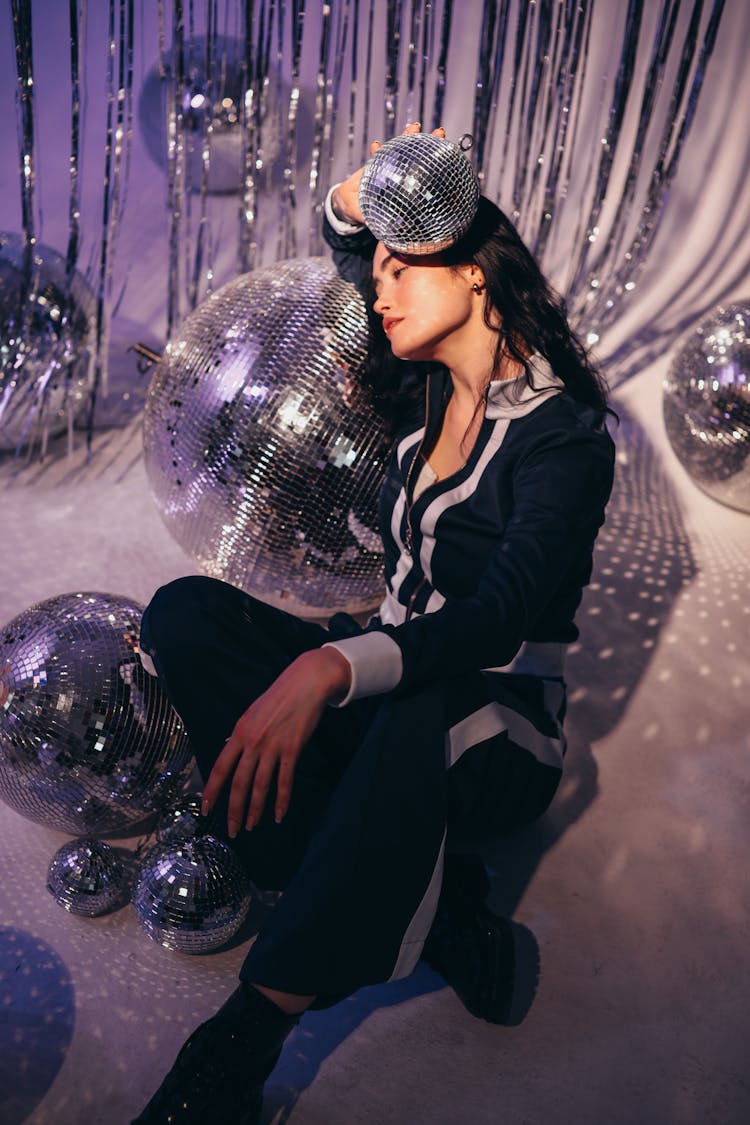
(362, 903)
(215, 650)
(357, 911)
(360, 907)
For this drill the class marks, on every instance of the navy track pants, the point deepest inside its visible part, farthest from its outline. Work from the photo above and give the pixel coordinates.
(380, 787)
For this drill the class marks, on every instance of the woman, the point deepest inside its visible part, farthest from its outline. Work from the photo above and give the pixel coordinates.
(354, 755)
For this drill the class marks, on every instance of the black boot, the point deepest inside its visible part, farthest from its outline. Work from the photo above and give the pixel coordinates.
(218, 1075)
(472, 948)
(465, 885)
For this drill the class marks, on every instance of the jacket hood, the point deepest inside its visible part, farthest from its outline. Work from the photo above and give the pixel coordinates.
(512, 398)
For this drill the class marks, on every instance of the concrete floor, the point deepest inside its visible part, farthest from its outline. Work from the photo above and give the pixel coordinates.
(635, 886)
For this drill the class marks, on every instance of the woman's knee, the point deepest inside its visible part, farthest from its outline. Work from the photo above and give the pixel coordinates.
(170, 617)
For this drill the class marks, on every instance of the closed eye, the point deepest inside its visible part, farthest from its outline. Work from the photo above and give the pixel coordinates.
(395, 274)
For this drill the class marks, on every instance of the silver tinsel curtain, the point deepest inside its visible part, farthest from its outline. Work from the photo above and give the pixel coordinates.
(581, 112)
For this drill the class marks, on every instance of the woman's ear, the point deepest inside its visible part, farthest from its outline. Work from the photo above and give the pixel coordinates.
(476, 278)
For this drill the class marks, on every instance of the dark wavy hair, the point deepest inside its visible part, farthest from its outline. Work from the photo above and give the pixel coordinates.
(534, 320)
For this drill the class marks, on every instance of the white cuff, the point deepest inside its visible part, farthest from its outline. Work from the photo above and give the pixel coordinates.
(339, 225)
(376, 663)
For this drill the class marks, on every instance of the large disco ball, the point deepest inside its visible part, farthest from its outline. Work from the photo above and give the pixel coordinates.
(87, 877)
(88, 740)
(707, 405)
(192, 895)
(46, 340)
(264, 460)
(418, 193)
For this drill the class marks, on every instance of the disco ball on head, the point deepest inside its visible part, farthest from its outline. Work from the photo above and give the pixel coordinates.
(707, 405)
(88, 740)
(418, 193)
(46, 338)
(87, 877)
(192, 895)
(264, 459)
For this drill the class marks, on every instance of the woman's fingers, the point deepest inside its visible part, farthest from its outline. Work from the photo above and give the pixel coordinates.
(416, 127)
(222, 768)
(284, 788)
(263, 775)
(250, 768)
(243, 779)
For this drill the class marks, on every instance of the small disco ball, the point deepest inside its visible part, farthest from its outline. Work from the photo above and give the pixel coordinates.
(264, 460)
(88, 740)
(192, 895)
(87, 877)
(418, 193)
(181, 821)
(46, 337)
(707, 405)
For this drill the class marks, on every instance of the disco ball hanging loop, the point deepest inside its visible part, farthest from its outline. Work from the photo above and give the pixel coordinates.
(419, 193)
(88, 740)
(707, 405)
(264, 458)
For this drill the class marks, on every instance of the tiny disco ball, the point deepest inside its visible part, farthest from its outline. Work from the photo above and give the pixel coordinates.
(46, 337)
(418, 193)
(707, 405)
(88, 740)
(264, 460)
(87, 877)
(192, 895)
(181, 821)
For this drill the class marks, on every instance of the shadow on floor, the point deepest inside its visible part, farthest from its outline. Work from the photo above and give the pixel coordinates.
(37, 1016)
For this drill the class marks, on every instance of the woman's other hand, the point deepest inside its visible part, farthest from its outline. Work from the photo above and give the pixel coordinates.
(345, 198)
(270, 736)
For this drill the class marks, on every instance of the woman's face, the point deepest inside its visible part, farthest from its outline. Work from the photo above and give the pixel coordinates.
(427, 308)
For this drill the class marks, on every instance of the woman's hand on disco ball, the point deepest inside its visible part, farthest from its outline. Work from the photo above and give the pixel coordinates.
(345, 198)
(271, 734)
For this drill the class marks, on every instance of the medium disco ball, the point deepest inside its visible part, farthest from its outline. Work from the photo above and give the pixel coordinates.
(263, 458)
(418, 193)
(88, 740)
(87, 877)
(192, 895)
(46, 338)
(707, 405)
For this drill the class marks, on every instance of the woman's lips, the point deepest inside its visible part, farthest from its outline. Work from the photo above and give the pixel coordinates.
(389, 322)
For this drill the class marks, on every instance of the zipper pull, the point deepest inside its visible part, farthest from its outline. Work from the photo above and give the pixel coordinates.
(412, 599)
